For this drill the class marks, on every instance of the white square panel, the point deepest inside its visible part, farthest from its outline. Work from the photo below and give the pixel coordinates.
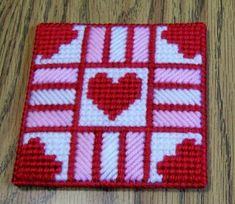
(92, 114)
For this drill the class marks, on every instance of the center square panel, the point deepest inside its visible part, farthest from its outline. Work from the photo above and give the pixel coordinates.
(114, 97)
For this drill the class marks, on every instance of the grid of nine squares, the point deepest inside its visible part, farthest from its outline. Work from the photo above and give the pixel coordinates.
(151, 65)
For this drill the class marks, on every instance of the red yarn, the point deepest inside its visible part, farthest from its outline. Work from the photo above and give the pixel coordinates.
(187, 169)
(186, 37)
(52, 37)
(103, 91)
(185, 166)
(34, 165)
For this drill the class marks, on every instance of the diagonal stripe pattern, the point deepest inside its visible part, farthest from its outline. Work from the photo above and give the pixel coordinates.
(84, 154)
(177, 75)
(118, 44)
(109, 156)
(96, 44)
(55, 75)
(52, 97)
(177, 119)
(177, 96)
(49, 118)
(134, 170)
(141, 43)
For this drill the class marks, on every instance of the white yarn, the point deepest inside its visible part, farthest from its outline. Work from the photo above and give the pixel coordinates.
(52, 97)
(169, 53)
(118, 44)
(109, 156)
(163, 144)
(56, 143)
(135, 115)
(177, 96)
(68, 53)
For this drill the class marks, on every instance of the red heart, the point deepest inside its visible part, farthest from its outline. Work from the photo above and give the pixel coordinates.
(113, 98)
(50, 38)
(187, 37)
(35, 165)
(187, 159)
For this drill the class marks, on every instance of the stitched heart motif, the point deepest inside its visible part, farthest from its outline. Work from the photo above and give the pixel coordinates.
(34, 161)
(187, 37)
(57, 36)
(114, 98)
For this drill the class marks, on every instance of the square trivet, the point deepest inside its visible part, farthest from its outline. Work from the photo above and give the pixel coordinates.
(115, 105)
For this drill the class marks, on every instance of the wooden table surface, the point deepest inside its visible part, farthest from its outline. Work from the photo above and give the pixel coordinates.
(18, 19)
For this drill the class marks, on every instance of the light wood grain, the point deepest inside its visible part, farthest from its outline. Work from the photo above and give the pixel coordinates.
(18, 19)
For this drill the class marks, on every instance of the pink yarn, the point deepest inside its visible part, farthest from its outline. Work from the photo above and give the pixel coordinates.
(177, 119)
(49, 118)
(134, 156)
(96, 44)
(84, 153)
(55, 75)
(181, 76)
(141, 43)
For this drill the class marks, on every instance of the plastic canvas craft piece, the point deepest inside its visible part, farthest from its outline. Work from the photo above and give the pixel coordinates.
(115, 105)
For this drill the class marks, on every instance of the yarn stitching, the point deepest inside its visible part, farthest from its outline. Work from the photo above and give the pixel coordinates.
(171, 74)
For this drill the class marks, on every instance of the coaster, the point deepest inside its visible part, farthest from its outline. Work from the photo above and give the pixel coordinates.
(115, 105)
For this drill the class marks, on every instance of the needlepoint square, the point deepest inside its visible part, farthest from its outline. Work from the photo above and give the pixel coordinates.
(115, 105)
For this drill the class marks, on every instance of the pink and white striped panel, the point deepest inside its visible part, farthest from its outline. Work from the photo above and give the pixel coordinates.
(188, 98)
